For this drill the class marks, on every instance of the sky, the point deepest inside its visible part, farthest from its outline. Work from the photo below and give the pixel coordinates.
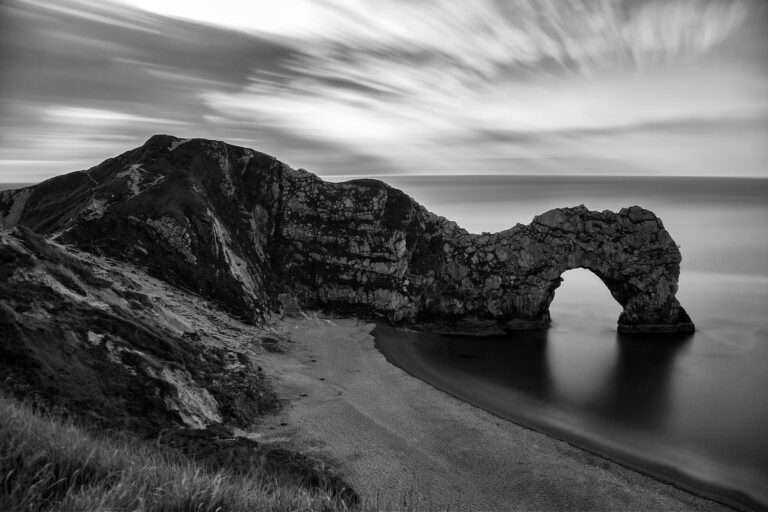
(348, 88)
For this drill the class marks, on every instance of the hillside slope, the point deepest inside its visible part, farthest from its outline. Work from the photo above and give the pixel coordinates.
(115, 351)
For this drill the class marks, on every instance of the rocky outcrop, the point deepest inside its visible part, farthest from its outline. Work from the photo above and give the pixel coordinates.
(240, 227)
(111, 349)
(90, 341)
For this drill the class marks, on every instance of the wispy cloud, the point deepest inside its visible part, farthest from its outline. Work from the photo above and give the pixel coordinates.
(78, 116)
(483, 34)
(393, 86)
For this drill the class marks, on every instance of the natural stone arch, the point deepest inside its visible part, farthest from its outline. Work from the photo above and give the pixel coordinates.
(632, 300)
(240, 227)
(520, 269)
(630, 252)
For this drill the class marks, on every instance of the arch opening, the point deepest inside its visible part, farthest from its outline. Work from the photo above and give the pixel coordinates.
(582, 299)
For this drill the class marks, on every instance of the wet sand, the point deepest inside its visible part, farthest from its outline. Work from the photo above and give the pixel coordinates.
(396, 437)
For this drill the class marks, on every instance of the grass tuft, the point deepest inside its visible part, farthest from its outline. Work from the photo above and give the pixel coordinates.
(47, 464)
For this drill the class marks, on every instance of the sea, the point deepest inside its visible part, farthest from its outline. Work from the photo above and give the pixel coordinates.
(11, 186)
(692, 409)
(688, 409)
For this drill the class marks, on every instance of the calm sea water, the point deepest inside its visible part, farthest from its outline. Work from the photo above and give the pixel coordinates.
(693, 409)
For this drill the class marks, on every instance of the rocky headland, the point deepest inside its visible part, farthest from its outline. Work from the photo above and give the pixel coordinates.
(306, 405)
(144, 295)
(99, 343)
(249, 232)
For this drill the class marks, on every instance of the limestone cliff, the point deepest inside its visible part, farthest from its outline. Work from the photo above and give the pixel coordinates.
(240, 227)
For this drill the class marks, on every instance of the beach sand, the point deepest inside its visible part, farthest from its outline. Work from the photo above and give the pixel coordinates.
(396, 438)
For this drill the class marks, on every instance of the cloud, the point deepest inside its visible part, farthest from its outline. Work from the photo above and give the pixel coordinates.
(394, 86)
(483, 34)
(78, 116)
(409, 81)
(84, 81)
(683, 126)
(433, 114)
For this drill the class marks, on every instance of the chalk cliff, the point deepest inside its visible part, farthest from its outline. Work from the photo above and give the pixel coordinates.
(242, 228)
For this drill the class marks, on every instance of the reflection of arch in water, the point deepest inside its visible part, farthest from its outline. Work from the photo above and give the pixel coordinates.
(518, 361)
(457, 364)
(628, 381)
(637, 389)
(583, 316)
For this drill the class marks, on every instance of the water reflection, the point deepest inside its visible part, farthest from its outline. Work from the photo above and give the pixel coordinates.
(636, 391)
(696, 404)
(635, 396)
(632, 388)
(519, 361)
(511, 362)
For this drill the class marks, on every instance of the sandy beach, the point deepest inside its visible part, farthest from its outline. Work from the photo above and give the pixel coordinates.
(395, 437)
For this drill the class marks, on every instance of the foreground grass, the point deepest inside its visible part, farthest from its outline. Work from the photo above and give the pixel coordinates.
(51, 465)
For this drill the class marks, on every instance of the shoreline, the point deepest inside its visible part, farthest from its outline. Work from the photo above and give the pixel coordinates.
(396, 436)
(667, 474)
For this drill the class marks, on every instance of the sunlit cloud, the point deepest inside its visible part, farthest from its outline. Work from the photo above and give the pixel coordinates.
(91, 11)
(482, 33)
(410, 121)
(100, 118)
(344, 87)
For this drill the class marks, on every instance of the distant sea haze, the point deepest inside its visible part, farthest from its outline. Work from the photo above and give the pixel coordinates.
(721, 224)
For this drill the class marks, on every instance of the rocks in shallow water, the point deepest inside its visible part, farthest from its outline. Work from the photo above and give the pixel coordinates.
(241, 228)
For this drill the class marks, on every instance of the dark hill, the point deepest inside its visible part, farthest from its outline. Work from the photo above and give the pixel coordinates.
(100, 343)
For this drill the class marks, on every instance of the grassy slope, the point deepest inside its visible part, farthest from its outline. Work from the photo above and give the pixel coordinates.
(103, 367)
(49, 465)
(77, 335)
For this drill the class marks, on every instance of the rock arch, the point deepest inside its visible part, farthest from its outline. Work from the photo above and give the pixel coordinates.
(631, 253)
(516, 272)
(242, 228)
(390, 256)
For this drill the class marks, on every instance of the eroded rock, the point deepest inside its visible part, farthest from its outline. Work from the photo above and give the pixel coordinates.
(99, 348)
(240, 227)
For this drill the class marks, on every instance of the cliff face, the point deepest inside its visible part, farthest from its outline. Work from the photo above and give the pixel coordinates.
(240, 227)
(94, 340)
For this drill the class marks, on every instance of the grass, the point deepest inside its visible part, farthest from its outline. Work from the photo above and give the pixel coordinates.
(51, 465)
(47, 464)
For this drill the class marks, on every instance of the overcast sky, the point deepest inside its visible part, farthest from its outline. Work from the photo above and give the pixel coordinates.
(352, 87)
